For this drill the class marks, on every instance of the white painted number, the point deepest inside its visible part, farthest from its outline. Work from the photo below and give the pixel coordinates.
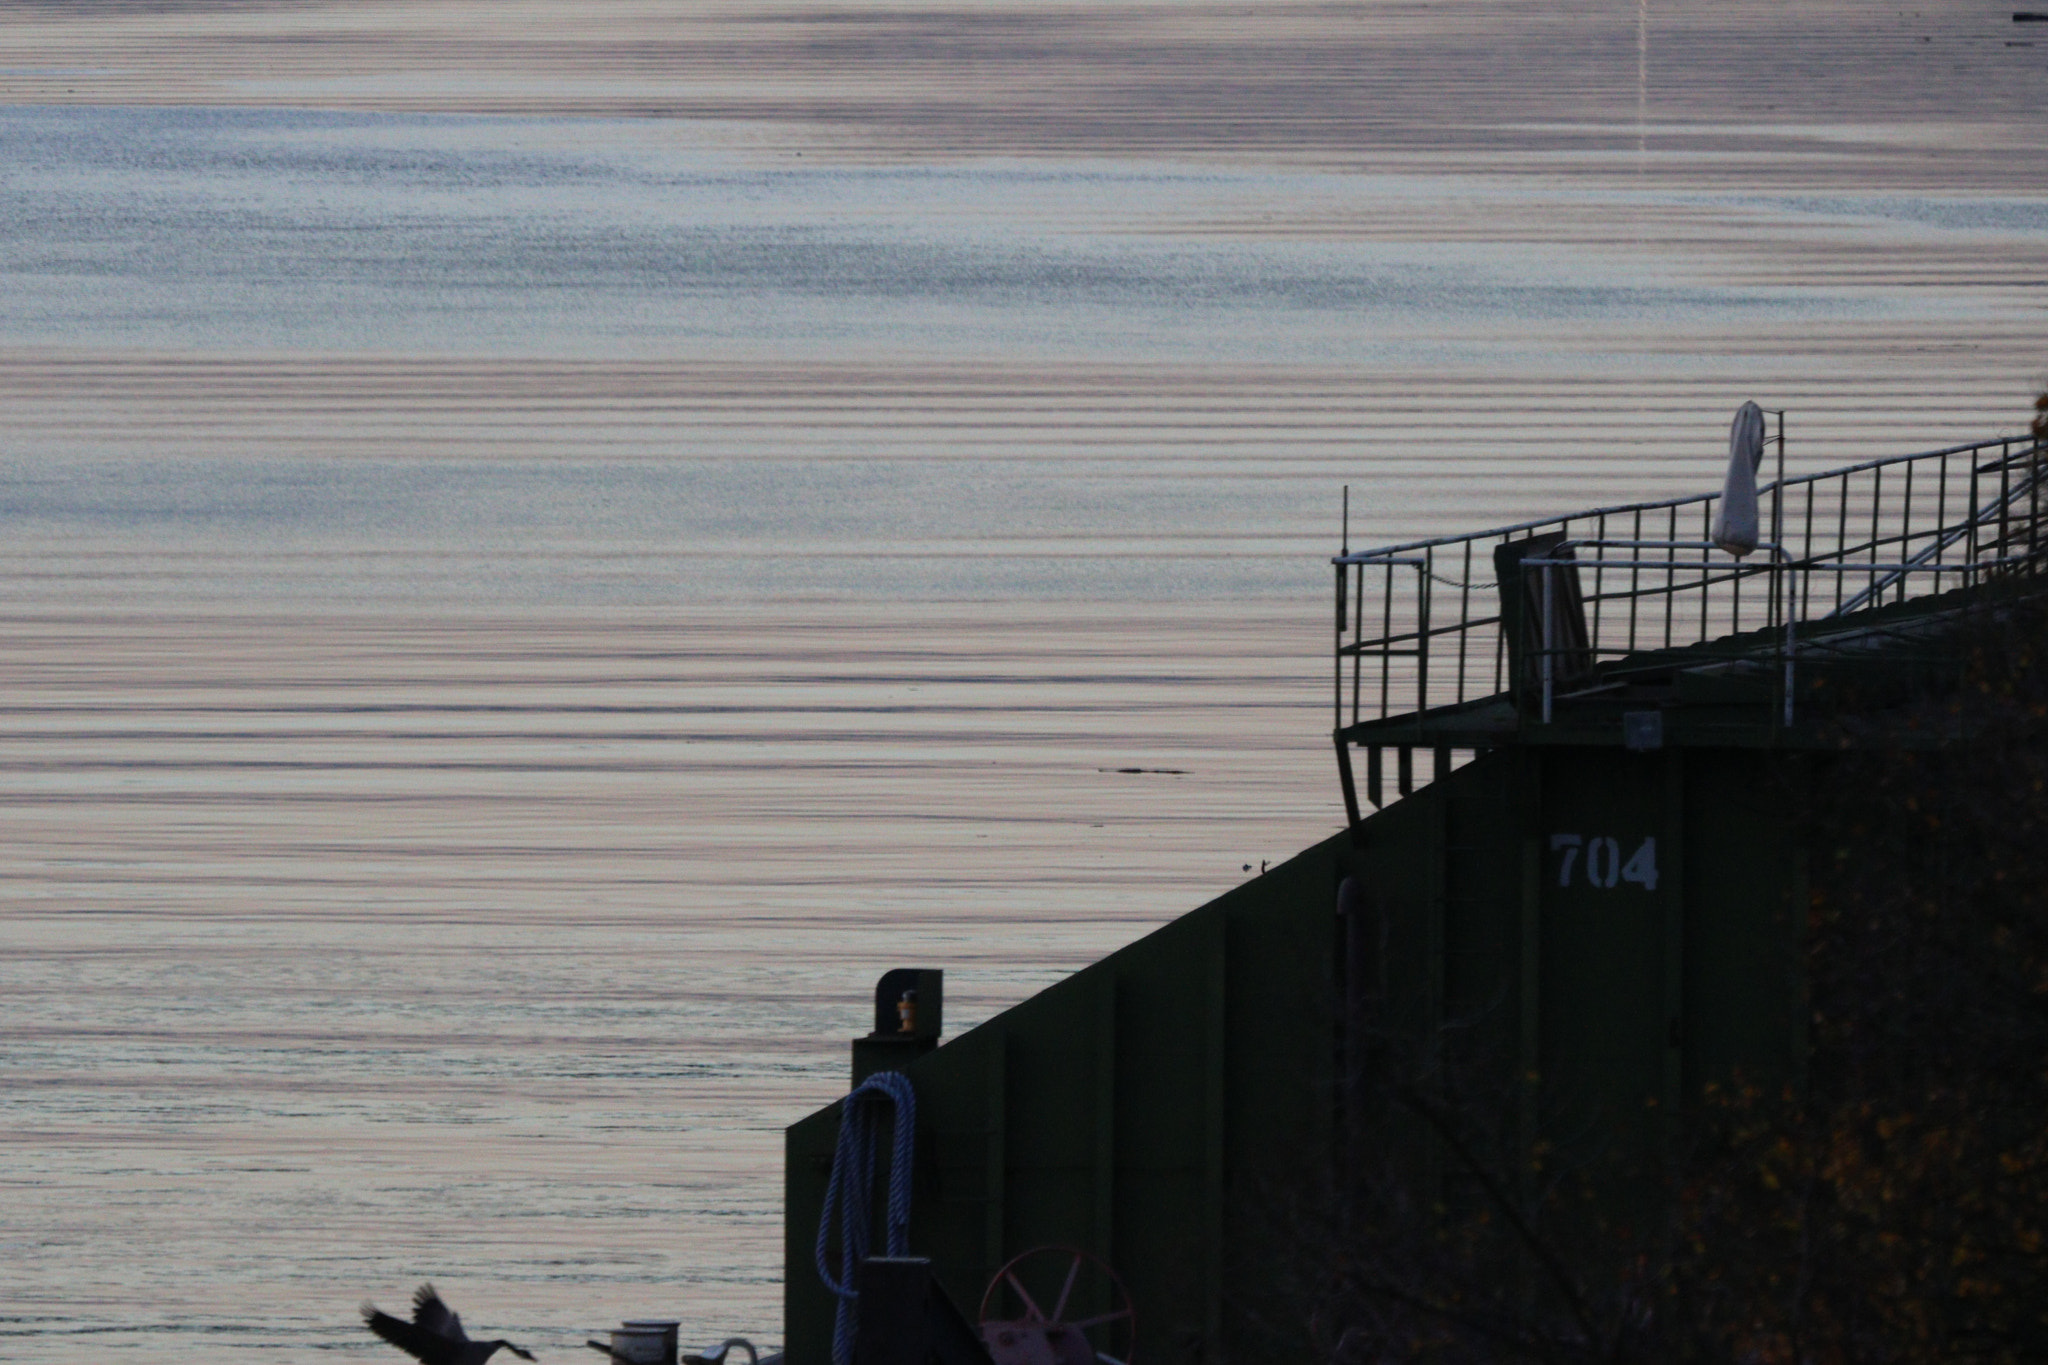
(1603, 861)
(1604, 868)
(1570, 844)
(1642, 866)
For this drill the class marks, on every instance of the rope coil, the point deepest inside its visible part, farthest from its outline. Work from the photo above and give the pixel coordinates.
(851, 1191)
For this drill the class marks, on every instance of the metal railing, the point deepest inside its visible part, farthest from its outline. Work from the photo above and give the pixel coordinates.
(1422, 626)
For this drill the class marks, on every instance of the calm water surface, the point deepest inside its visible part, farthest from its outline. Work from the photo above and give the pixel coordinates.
(521, 602)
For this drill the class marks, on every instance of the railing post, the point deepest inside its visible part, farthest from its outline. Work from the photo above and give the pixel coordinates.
(1337, 697)
(1993, 527)
(1386, 636)
(1970, 550)
(1791, 590)
(2004, 546)
(1422, 587)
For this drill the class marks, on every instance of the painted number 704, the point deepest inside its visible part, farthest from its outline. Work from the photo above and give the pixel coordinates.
(1599, 856)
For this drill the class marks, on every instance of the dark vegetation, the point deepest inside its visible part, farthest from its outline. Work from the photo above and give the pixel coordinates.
(1896, 1209)
(1891, 1205)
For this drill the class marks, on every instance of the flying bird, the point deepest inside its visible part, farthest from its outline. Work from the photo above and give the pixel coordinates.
(435, 1334)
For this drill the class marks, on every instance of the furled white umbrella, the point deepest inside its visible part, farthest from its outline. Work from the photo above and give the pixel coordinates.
(1735, 518)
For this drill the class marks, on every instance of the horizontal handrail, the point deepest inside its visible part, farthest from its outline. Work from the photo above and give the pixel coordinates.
(1418, 629)
(1623, 508)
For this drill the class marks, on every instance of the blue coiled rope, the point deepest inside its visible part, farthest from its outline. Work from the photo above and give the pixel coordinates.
(851, 1192)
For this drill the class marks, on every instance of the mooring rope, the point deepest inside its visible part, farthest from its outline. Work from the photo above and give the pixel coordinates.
(852, 1188)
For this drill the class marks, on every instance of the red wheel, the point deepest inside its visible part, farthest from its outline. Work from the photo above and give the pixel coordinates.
(1058, 1306)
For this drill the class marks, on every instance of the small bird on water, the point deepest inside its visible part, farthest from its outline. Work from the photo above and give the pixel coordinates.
(435, 1334)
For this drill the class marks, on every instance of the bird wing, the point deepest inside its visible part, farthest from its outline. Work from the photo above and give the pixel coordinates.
(430, 1314)
(405, 1336)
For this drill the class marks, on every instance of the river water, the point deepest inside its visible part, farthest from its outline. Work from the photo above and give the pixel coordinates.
(545, 546)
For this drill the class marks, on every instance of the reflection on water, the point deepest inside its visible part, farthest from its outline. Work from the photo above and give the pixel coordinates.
(344, 952)
(511, 623)
(237, 229)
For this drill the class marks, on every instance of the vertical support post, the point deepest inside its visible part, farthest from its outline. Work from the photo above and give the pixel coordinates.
(1105, 1116)
(1706, 574)
(1215, 1021)
(1404, 770)
(1774, 574)
(1337, 693)
(1373, 775)
(1842, 532)
(1976, 521)
(1791, 635)
(1349, 784)
(1422, 594)
(2033, 510)
(996, 1158)
(1386, 640)
(1806, 539)
(1358, 642)
(1635, 578)
(1671, 579)
(1464, 620)
(1549, 614)
(1599, 582)
(1778, 489)
(1671, 883)
(1904, 554)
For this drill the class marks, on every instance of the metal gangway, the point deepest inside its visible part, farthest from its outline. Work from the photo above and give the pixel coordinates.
(1608, 620)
